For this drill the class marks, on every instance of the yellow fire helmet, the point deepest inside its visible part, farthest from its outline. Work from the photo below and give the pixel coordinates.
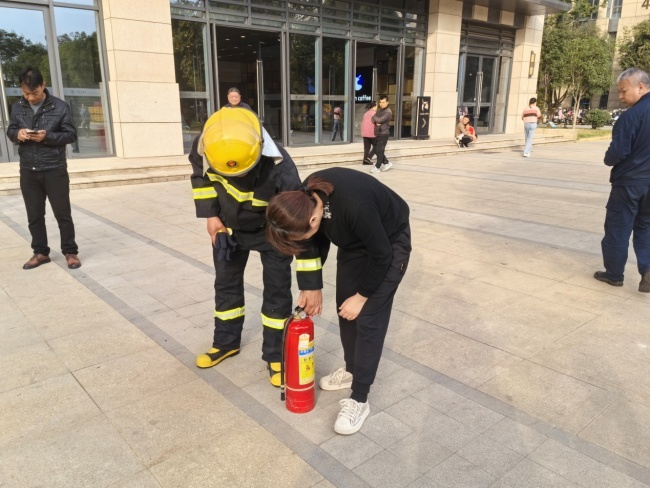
(232, 141)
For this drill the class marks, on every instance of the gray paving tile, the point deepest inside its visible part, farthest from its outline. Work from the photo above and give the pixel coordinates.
(69, 456)
(27, 365)
(623, 428)
(175, 421)
(144, 479)
(490, 456)
(573, 404)
(419, 452)
(516, 436)
(528, 474)
(351, 450)
(579, 468)
(130, 378)
(386, 470)
(439, 397)
(474, 415)
(384, 429)
(236, 448)
(43, 407)
(456, 472)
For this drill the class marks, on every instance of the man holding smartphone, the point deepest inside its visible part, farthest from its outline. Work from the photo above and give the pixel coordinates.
(42, 126)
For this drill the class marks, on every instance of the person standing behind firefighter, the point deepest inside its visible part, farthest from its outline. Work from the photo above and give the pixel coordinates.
(236, 169)
(382, 132)
(369, 224)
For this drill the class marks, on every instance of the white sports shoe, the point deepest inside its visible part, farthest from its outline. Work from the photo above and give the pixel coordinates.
(351, 416)
(386, 167)
(374, 169)
(526, 155)
(338, 380)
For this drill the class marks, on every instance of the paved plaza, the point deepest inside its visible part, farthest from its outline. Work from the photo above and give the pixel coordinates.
(506, 364)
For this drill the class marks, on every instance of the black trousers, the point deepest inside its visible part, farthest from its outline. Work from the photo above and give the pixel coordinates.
(53, 185)
(380, 148)
(229, 299)
(368, 148)
(363, 338)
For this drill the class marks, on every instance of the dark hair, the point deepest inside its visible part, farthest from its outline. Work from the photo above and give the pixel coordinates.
(532, 100)
(31, 78)
(383, 97)
(233, 89)
(288, 215)
(370, 104)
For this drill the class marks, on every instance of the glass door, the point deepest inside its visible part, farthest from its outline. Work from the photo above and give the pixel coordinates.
(252, 62)
(478, 88)
(25, 37)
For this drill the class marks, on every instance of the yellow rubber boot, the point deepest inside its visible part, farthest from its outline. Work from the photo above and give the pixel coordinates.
(274, 373)
(214, 357)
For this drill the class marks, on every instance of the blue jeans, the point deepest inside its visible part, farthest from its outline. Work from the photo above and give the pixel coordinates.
(628, 212)
(529, 130)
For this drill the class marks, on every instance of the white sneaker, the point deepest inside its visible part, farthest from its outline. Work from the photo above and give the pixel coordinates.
(386, 167)
(338, 380)
(374, 169)
(351, 416)
(526, 155)
(458, 142)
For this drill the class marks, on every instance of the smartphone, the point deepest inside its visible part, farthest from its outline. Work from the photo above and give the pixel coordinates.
(32, 131)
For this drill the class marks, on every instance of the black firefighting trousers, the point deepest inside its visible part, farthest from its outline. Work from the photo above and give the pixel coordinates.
(229, 298)
(363, 338)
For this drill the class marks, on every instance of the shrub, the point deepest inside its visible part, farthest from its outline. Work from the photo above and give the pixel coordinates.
(597, 118)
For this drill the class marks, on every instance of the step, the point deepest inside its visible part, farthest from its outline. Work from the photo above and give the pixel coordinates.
(174, 169)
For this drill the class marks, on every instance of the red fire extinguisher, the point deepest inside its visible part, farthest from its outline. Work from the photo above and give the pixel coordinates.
(298, 375)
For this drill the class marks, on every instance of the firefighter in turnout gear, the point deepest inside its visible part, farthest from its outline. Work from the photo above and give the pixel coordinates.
(236, 169)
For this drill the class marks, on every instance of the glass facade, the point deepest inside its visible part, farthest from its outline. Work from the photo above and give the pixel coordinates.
(484, 70)
(65, 44)
(296, 62)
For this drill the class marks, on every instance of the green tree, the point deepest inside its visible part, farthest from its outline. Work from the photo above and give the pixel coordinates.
(79, 60)
(576, 59)
(589, 58)
(16, 53)
(634, 47)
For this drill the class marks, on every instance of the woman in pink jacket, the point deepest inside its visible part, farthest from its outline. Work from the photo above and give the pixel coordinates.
(368, 133)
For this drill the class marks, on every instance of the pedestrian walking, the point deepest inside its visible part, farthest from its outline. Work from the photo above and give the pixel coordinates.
(243, 169)
(337, 115)
(628, 207)
(381, 119)
(369, 224)
(530, 116)
(368, 132)
(42, 125)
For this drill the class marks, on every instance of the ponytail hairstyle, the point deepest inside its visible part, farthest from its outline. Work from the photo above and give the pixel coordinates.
(288, 215)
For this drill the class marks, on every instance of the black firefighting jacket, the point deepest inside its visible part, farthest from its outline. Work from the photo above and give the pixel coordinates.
(241, 201)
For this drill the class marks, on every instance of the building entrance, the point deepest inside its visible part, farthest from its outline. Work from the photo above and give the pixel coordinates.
(478, 88)
(251, 61)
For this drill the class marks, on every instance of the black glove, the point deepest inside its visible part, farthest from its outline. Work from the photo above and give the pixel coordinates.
(225, 245)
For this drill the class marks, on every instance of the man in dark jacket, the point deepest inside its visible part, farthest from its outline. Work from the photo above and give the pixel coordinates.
(382, 132)
(628, 207)
(42, 125)
(236, 169)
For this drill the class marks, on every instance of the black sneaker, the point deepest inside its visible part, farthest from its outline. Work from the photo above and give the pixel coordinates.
(214, 357)
(601, 276)
(644, 284)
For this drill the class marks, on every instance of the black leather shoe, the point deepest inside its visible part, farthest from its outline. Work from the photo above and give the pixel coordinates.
(600, 276)
(36, 261)
(644, 284)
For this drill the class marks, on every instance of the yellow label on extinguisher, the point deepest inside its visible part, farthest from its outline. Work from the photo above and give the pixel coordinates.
(306, 360)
